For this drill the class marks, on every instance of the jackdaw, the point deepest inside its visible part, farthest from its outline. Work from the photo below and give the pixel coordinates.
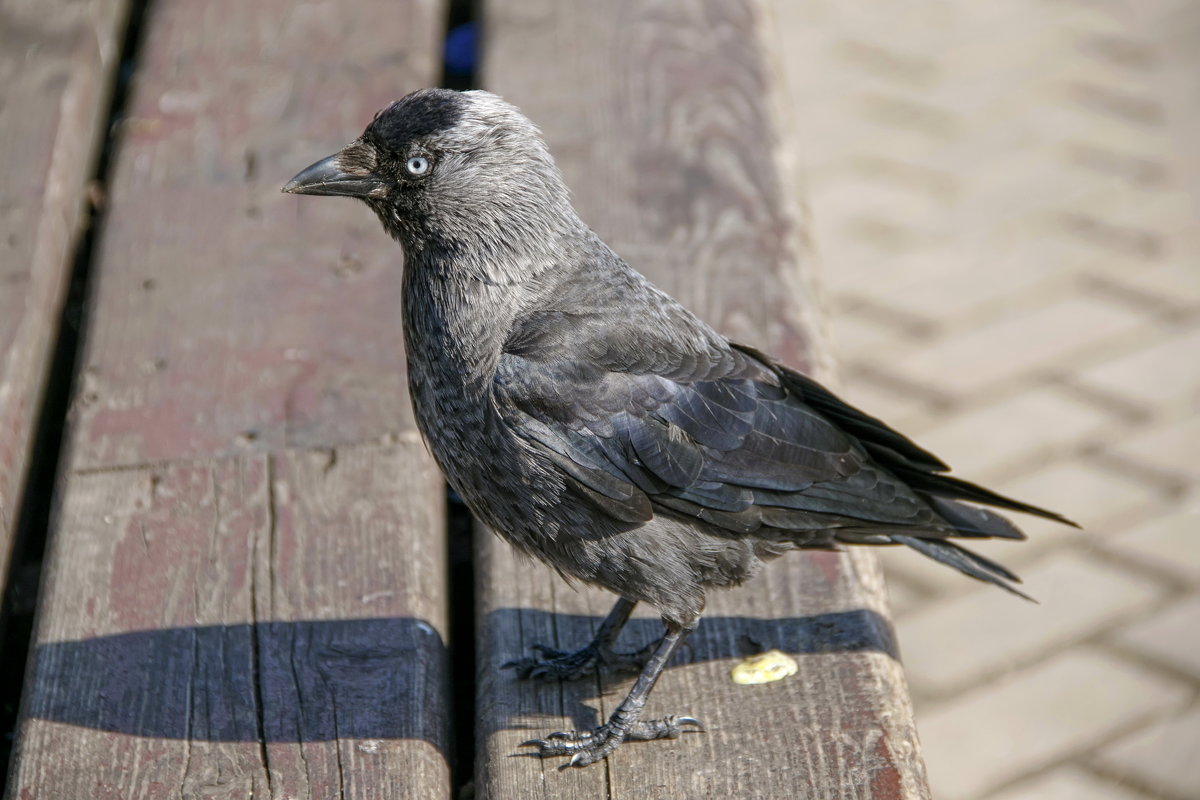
(597, 424)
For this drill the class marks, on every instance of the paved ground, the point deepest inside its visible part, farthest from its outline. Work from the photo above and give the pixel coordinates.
(1006, 199)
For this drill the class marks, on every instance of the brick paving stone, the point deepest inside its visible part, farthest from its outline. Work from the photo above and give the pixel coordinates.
(1169, 448)
(1077, 596)
(962, 296)
(1136, 227)
(1034, 718)
(1067, 783)
(851, 198)
(1170, 543)
(1175, 284)
(1174, 32)
(885, 276)
(1171, 636)
(902, 595)
(1020, 179)
(1020, 344)
(1162, 375)
(1100, 499)
(857, 337)
(1165, 755)
(1035, 424)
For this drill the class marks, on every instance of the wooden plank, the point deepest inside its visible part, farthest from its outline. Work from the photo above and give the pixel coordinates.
(242, 627)
(245, 587)
(663, 117)
(245, 320)
(57, 63)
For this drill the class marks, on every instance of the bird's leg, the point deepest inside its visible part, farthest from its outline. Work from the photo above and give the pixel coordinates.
(588, 747)
(548, 663)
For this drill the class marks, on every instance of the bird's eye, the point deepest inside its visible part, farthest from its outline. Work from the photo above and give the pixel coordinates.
(417, 165)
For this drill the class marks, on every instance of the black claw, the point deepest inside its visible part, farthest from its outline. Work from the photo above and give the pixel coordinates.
(588, 747)
(518, 664)
(528, 665)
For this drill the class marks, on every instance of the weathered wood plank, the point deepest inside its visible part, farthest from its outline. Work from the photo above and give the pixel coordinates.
(230, 318)
(242, 627)
(246, 583)
(663, 118)
(57, 65)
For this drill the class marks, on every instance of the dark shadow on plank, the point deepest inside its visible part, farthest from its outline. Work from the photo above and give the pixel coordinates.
(350, 679)
(316, 681)
(859, 630)
(717, 638)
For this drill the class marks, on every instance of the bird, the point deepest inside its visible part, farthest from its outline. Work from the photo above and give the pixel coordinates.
(597, 424)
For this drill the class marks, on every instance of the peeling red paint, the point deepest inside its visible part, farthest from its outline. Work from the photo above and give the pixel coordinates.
(886, 780)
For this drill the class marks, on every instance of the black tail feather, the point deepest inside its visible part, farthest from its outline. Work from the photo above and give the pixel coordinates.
(964, 561)
(955, 489)
(972, 521)
(924, 473)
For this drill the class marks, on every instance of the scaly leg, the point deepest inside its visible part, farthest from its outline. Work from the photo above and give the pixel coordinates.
(588, 747)
(548, 663)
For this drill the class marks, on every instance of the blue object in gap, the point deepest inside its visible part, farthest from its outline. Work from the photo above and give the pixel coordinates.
(462, 48)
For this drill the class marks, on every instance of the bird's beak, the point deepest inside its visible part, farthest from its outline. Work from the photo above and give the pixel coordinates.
(327, 176)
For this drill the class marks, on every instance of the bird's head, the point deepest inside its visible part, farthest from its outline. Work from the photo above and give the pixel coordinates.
(460, 171)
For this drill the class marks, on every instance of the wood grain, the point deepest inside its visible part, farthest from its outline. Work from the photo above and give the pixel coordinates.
(245, 589)
(245, 626)
(229, 318)
(57, 62)
(664, 119)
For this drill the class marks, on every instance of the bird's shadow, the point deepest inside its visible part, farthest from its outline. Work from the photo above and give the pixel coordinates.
(324, 680)
(717, 638)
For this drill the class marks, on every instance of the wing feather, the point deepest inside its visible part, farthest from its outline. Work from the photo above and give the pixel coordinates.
(660, 414)
(722, 449)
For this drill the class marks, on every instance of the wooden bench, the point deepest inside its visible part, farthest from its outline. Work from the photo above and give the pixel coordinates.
(56, 83)
(246, 588)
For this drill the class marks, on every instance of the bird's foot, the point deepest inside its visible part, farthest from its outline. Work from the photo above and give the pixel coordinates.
(547, 663)
(588, 747)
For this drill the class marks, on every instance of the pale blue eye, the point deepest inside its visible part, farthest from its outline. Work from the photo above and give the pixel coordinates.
(417, 165)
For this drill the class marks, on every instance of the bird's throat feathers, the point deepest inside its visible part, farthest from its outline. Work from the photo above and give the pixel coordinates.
(460, 309)
(463, 306)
